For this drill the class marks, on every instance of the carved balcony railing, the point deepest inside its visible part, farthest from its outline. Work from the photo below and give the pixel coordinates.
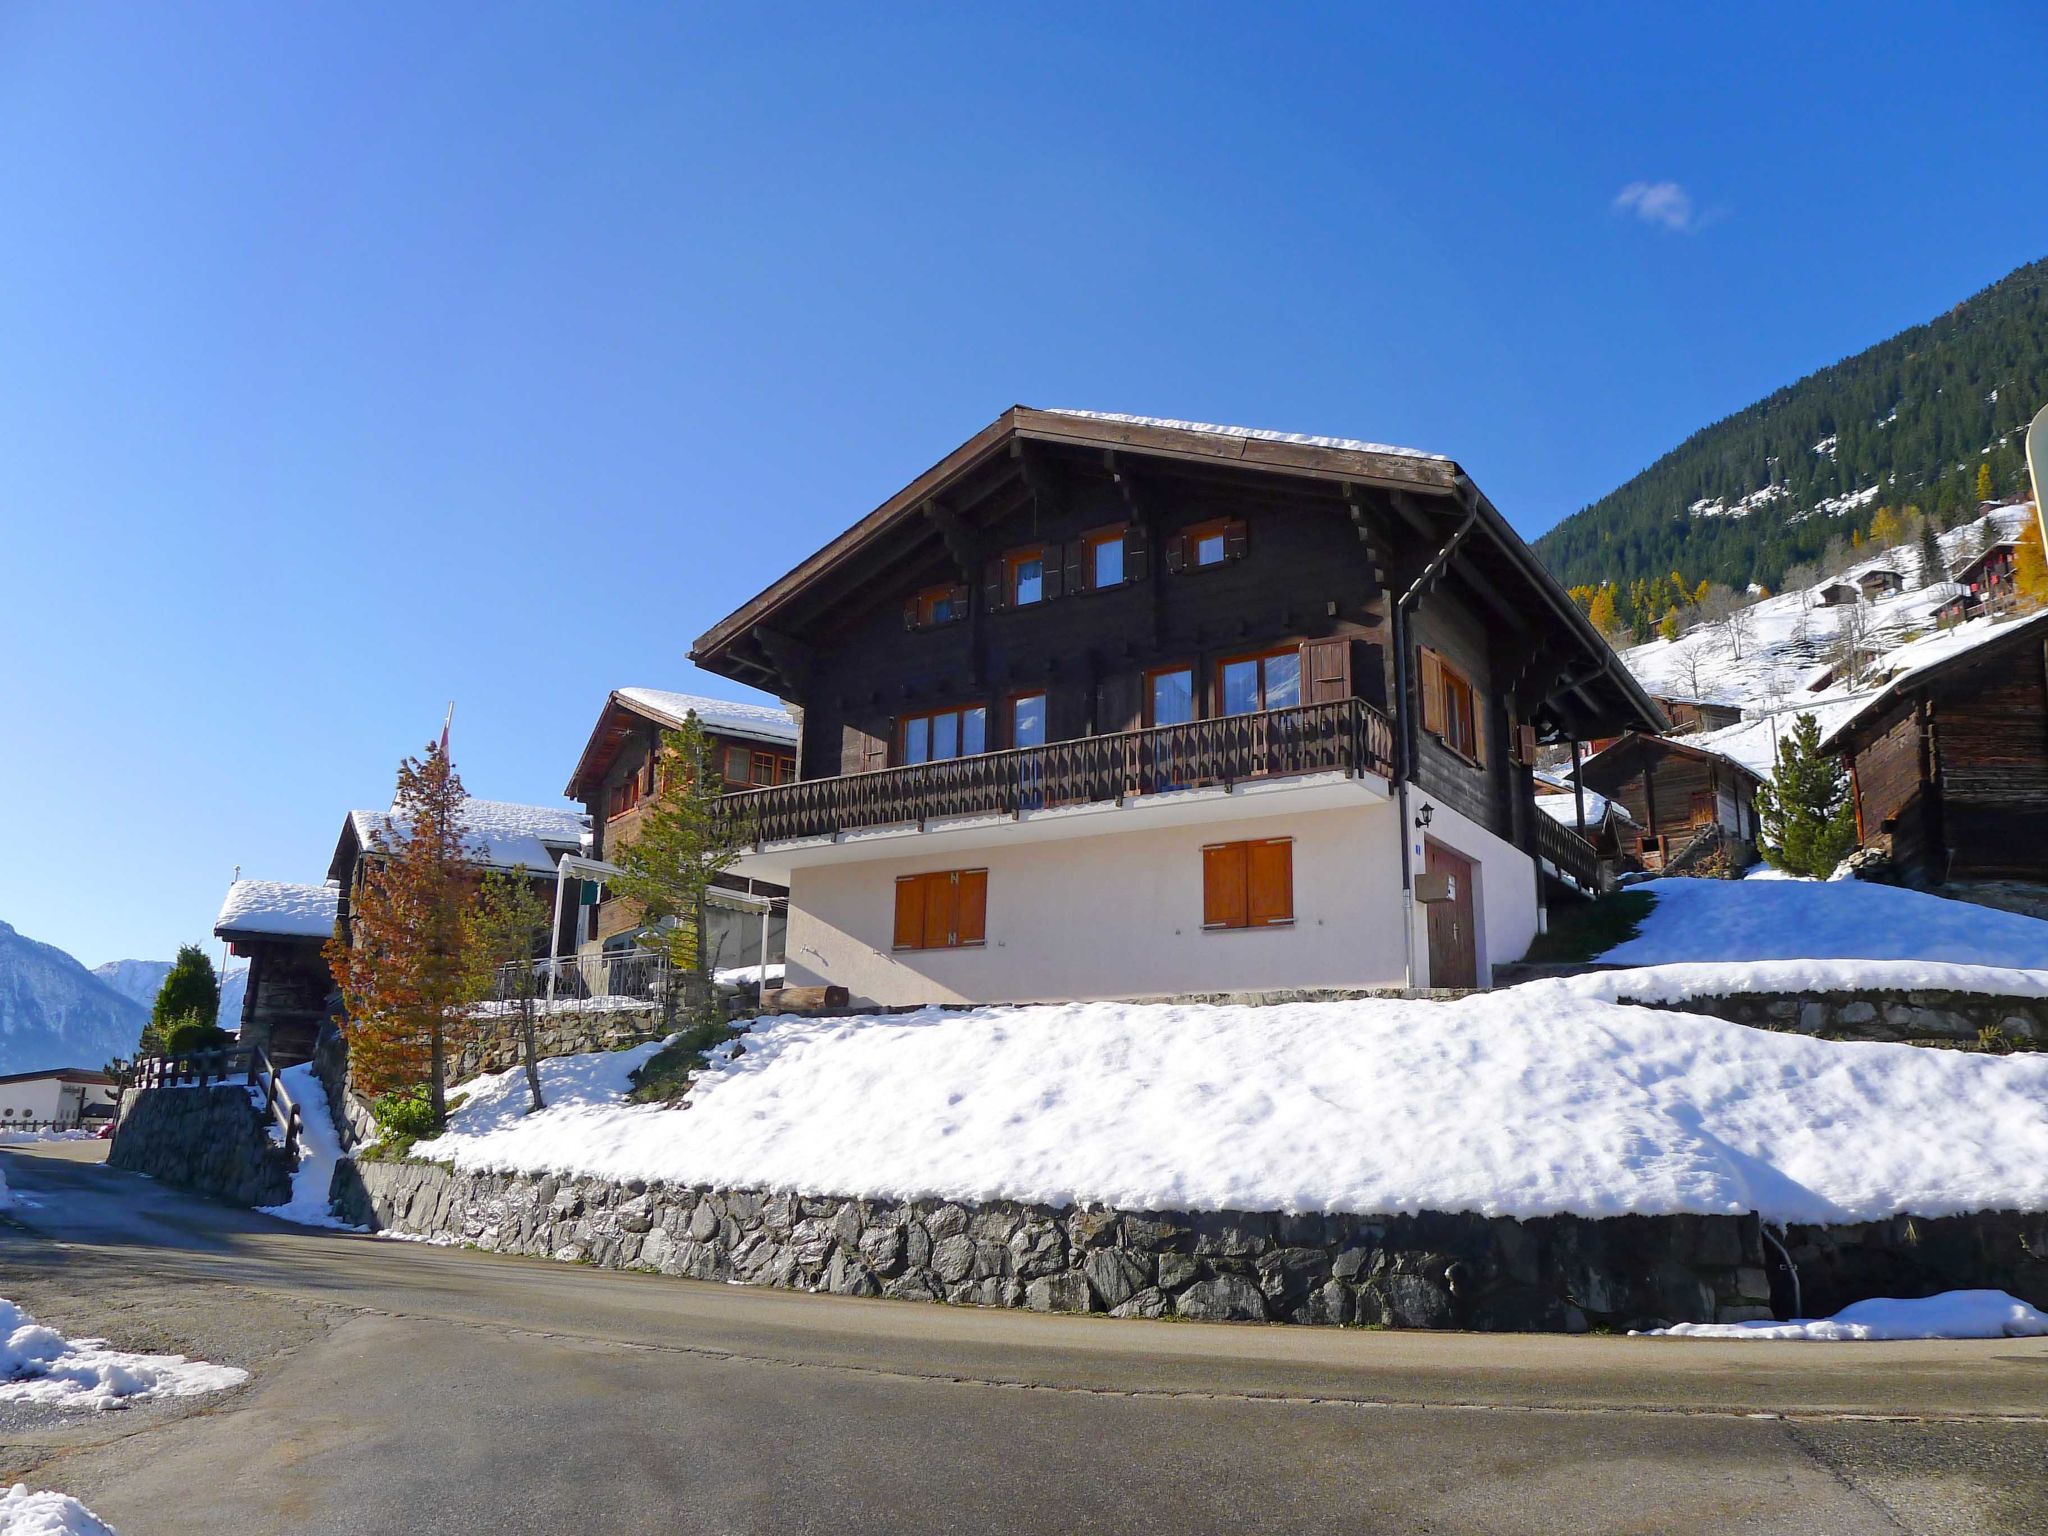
(1348, 736)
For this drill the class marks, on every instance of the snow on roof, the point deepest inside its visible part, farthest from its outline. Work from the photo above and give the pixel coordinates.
(764, 722)
(1901, 666)
(1564, 809)
(1754, 742)
(277, 907)
(502, 835)
(1257, 434)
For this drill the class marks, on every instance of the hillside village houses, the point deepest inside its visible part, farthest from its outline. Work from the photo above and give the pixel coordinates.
(1105, 706)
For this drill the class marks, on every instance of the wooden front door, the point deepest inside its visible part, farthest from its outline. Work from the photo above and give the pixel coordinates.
(1453, 954)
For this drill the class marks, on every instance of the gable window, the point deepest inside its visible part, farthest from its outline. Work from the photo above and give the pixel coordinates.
(943, 734)
(1027, 720)
(947, 909)
(1207, 545)
(625, 795)
(1249, 884)
(1450, 709)
(1271, 680)
(1024, 576)
(1170, 696)
(753, 767)
(1102, 559)
(935, 606)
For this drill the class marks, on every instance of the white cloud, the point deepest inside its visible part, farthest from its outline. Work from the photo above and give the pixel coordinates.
(1663, 203)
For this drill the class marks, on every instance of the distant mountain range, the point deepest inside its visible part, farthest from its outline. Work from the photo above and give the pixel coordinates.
(1908, 422)
(56, 1013)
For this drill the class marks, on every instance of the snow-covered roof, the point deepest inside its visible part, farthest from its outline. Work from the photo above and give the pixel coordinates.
(1564, 809)
(761, 722)
(1258, 434)
(1754, 742)
(277, 908)
(502, 835)
(1912, 661)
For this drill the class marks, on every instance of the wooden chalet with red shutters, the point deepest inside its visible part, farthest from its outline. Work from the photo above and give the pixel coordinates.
(752, 745)
(1104, 706)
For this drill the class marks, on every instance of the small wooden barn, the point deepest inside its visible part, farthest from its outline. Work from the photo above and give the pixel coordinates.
(1950, 760)
(1674, 793)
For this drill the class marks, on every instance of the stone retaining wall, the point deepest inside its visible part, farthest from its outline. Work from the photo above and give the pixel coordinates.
(494, 1043)
(212, 1139)
(1874, 1015)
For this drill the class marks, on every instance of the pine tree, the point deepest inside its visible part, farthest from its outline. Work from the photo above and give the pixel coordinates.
(1983, 483)
(190, 993)
(408, 976)
(681, 845)
(1806, 812)
(1932, 568)
(1639, 630)
(507, 924)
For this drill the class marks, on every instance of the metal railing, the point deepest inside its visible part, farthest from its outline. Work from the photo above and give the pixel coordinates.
(1348, 736)
(623, 979)
(206, 1069)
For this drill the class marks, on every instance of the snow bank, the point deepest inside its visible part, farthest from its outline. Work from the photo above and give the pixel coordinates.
(40, 1365)
(47, 1514)
(1951, 1315)
(1727, 920)
(1512, 1103)
(1681, 983)
(319, 1153)
(23, 1138)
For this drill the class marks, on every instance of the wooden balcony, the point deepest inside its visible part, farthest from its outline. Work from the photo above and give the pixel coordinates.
(1573, 857)
(1348, 737)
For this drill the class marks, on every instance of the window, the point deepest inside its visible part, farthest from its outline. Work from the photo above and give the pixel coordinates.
(1027, 720)
(935, 606)
(625, 795)
(752, 767)
(1449, 707)
(1102, 559)
(1248, 885)
(1024, 576)
(1207, 545)
(947, 909)
(1271, 680)
(1170, 696)
(943, 734)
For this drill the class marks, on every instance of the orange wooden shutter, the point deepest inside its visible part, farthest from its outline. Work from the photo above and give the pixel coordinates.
(1432, 692)
(1478, 725)
(971, 925)
(1525, 738)
(1326, 671)
(940, 903)
(1223, 886)
(1269, 881)
(909, 911)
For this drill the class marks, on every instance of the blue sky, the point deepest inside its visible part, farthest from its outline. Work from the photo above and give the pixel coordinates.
(354, 358)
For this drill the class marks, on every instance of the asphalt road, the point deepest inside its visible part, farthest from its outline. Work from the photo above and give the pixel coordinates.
(399, 1387)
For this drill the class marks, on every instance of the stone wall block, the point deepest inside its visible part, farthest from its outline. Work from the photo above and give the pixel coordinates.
(1177, 1270)
(1231, 1234)
(1117, 1274)
(953, 1258)
(944, 1221)
(1222, 1298)
(1037, 1249)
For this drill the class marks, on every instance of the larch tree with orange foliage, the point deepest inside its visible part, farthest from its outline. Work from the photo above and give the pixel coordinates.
(2029, 568)
(408, 972)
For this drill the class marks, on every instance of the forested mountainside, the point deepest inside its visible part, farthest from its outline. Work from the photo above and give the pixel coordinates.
(56, 1013)
(1914, 421)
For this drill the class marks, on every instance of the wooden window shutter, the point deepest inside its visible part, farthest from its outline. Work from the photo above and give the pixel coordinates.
(910, 892)
(1269, 882)
(1177, 553)
(1051, 585)
(1326, 671)
(958, 597)
(1525, 740)
(861, 753)
(1224, 895)
(910, 614)
(1080, 569)
(995, 585)
(1236, 539)
(1120, 702)
(941, 901)
(1137, 552)
(1479, 731)
(970, 924)
(1432, 687)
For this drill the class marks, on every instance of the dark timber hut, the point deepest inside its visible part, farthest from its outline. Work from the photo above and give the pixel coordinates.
(1950, 761)
(1674, 793)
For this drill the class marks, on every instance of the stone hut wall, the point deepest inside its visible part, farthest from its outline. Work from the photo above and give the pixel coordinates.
(212, 1139)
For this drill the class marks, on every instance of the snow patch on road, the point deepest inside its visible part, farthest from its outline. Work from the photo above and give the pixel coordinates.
(40, 1365)
(1951, 1315)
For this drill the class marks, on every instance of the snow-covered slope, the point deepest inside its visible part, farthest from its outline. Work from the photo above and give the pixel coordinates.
(137, 980)
(56, 1013)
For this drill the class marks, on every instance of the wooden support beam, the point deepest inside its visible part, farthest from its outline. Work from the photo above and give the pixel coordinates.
(963, 543)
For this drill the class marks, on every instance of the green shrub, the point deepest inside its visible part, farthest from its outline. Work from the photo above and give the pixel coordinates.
(405, 1112)
(192, 1033)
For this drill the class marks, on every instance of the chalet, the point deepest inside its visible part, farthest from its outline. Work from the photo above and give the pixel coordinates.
(1949, 760)
(502, 837)
(1590, 815)
(56, 1099)
(1838, 594)
(1688, 714)
(1105, 706)
(281, 930)
(1989, 580)
(753, 745)
(1676, 794)
(1879, 581)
